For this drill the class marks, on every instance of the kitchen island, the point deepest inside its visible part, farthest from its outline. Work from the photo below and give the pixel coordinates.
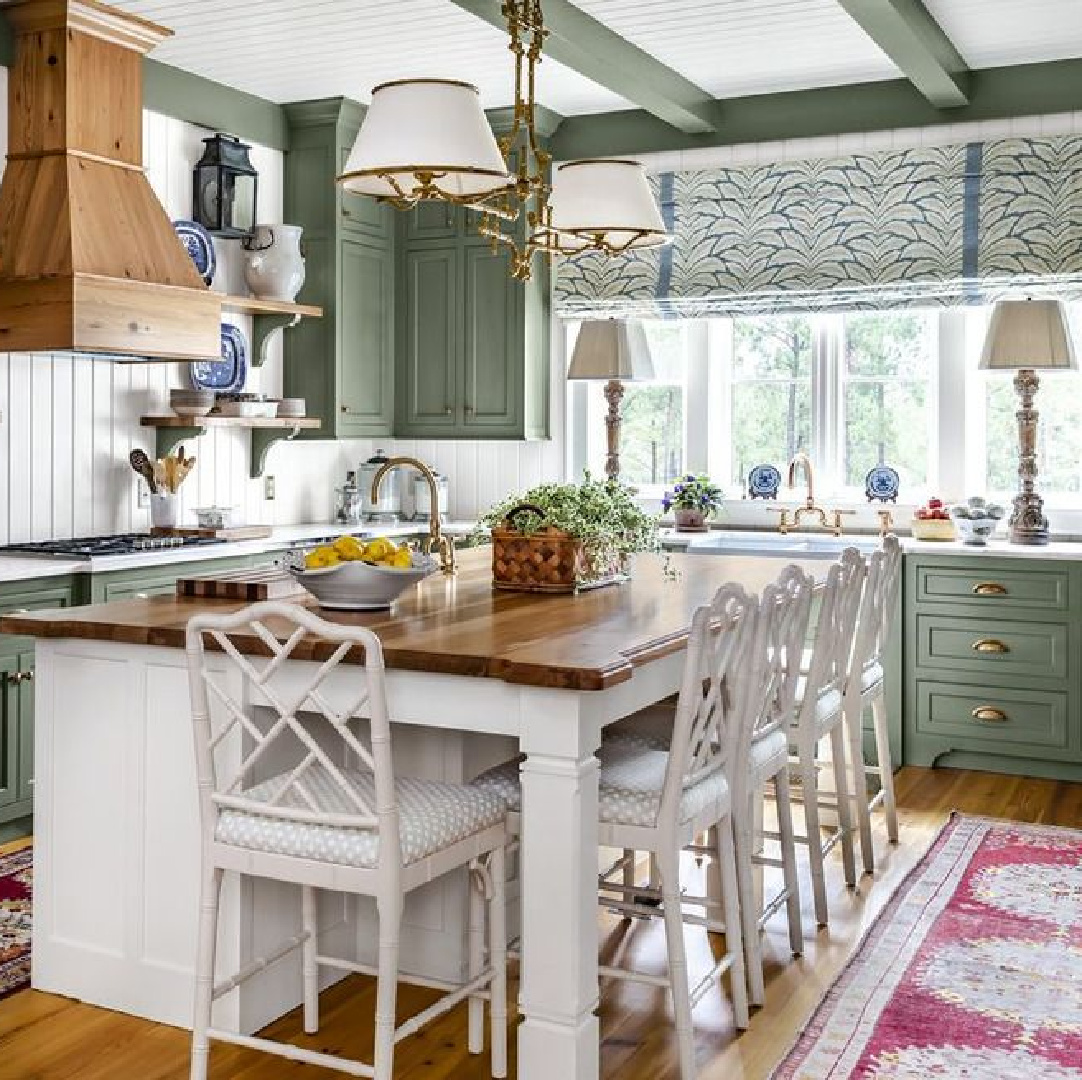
(473, 675)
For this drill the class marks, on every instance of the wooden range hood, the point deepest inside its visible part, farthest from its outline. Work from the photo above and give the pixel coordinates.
(89, 261)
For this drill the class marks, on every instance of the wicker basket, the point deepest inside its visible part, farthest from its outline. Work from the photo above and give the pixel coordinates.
(548, 560)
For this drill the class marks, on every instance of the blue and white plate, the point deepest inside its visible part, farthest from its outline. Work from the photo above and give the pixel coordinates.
(228, 374)
(882, 483)
(200, 247)
(763, 482)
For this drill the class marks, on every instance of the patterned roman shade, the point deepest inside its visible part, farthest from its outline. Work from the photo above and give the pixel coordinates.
(944, 225)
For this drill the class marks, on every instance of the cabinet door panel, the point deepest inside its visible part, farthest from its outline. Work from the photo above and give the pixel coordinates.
(9, 730)
(429, 362)
(366, 343)
(492, 365)
(432, 220)
(24, 769)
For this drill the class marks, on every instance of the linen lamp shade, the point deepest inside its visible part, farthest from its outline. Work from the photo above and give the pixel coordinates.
(1028, 334)
(425, 126)
(611, 349)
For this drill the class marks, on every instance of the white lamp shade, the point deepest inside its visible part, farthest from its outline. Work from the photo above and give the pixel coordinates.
(1028, 334)
(425, 126)
(611, 349)
(605, 204)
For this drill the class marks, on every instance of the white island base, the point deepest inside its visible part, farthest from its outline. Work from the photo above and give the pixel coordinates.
(117, 850)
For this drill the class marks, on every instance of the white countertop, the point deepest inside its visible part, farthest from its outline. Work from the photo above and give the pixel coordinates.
(24, 567)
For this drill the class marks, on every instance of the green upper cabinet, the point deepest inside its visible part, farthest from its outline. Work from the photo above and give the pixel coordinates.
(472, 343)
(342, 364)
(425, 334)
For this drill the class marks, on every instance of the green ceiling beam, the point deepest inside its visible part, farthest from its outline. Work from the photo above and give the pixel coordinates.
(589, 47)
(995, 94)
(184, 96)
(907, 33)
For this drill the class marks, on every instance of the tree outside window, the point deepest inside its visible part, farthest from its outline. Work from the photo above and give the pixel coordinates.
(771, 392)
(888, 372)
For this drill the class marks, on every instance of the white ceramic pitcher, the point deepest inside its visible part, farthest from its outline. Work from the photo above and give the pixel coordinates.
(274, 263)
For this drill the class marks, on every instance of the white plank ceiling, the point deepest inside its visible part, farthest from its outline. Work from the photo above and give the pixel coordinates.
(288, 50)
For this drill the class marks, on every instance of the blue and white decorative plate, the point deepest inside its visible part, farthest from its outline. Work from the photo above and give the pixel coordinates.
(228, 374)
(200, 247)
(763, 482)
(882, 483)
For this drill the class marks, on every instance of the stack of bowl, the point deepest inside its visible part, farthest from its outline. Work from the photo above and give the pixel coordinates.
(191, 402)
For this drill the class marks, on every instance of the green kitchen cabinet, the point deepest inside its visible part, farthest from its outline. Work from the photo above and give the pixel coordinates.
(343, 363)
(472, 343)
(142, 583)
(993, 664)
(17, 691)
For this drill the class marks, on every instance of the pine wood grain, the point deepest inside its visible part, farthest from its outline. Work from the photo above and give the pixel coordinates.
(462, 626)
(50, 1038)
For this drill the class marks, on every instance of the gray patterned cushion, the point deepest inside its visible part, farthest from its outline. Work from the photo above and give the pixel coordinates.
(431, 816)
(629, 786)
(827, 706)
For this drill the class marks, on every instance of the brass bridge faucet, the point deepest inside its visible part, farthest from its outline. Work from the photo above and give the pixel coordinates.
(833, 521)
(435, 541)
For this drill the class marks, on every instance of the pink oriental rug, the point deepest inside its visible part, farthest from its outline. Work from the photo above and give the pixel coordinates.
(15, 882)
(973, 971)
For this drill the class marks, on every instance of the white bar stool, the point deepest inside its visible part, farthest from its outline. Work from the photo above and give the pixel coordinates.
(334, 819)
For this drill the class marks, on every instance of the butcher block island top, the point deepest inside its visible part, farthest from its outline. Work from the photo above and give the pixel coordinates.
(461, 625)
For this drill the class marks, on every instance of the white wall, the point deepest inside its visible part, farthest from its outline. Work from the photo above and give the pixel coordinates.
(68, 423)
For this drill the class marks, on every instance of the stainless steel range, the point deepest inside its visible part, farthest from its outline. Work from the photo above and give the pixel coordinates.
(92, 547)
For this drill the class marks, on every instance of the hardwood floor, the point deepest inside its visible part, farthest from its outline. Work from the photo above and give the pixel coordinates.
(43, 1037)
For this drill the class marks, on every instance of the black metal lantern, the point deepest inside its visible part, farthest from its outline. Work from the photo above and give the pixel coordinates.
(225, 185)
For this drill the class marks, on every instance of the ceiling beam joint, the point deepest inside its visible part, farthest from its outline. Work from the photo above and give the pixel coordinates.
(580, 42)
(906, 31)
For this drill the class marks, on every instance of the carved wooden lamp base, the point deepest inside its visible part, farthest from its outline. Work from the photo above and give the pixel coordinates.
(614, 394)
(1027, 524)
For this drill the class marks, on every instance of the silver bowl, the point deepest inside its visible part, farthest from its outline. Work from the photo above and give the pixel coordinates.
(361, 586)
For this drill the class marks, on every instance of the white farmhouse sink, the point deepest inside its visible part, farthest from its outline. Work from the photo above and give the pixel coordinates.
(790, 545)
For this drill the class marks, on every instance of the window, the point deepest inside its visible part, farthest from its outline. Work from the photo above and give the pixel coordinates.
(899, 387)
(652, 431)
(887, 416)
(770, 410)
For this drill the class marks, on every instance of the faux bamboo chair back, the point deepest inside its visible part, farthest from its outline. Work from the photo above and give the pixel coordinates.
(784, 613)
(836, 626)
(877, 604)
(224, 777)
(713, 702)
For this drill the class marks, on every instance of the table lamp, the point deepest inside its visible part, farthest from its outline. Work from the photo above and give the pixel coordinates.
(1024, 336)
(617, 352)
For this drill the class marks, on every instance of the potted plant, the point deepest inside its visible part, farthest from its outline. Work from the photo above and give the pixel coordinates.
(563, 537)
(692, 500)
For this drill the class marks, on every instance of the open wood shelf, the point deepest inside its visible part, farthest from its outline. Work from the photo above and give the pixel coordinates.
(250, 305)
(231, 421)
(266, 431)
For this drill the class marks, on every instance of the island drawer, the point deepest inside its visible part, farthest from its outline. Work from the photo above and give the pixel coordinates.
(995, 719)
(1026, 584)
(993, 647)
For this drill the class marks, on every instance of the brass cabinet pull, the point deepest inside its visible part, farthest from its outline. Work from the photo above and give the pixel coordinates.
(989, 588)
(989, 645)
(988, 714)
(28, 676)
(351, 412)
(16, 677)
(447, 411)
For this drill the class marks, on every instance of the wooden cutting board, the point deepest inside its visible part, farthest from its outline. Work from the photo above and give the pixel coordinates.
(250, 584)
(234, 532)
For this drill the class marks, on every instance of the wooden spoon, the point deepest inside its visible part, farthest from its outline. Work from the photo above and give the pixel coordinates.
(144, 467)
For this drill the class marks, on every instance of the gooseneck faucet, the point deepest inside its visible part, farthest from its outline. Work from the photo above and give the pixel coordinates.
(435, 541)
(801, 459)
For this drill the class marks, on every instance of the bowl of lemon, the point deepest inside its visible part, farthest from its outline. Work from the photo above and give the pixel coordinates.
(359, 575)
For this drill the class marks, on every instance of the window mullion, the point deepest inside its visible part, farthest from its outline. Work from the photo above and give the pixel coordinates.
(827, 410)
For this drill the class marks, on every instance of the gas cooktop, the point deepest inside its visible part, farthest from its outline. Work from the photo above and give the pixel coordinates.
(91, 547)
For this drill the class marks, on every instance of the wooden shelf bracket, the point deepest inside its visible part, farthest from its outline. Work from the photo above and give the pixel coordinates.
(264, 327)
(262, 440)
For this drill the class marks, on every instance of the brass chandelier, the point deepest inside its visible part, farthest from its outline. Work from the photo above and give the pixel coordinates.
(429, 139)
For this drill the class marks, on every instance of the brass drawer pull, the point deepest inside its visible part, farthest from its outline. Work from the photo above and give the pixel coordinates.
(989, 588)
(15, 677)
(989, 714)
(990, 645)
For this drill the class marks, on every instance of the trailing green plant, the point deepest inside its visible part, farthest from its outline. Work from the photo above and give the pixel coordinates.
(603, 514)
(694, 493)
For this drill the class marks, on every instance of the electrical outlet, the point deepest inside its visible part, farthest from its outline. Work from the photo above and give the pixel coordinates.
(142, 495)
(268, 487)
